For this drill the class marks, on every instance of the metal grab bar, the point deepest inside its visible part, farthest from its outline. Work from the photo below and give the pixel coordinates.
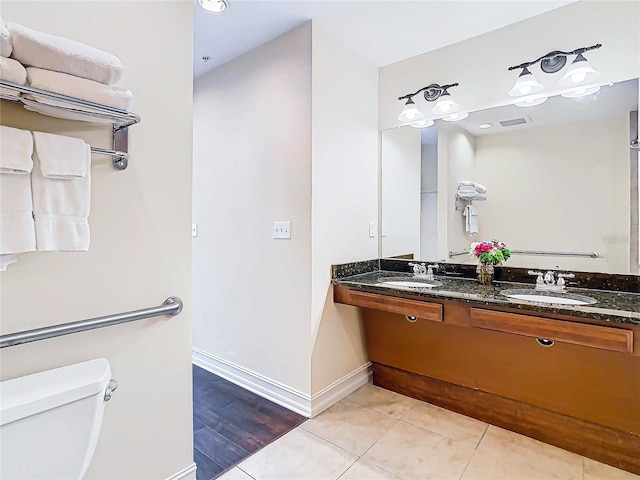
(540, 252)
(171, 306)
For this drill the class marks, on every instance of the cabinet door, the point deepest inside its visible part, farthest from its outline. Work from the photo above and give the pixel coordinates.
(589, 383)
(421, 346)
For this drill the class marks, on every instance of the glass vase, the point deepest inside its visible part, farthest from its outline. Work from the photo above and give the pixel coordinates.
(485, 273)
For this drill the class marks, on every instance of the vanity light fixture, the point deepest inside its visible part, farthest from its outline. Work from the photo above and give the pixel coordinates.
(445, 104)
(579, 73)
(215, 6)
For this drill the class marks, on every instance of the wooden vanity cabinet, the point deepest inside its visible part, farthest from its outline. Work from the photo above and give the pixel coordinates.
(582, 393)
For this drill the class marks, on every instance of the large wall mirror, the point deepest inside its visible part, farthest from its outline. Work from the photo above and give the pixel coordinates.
(560, 177)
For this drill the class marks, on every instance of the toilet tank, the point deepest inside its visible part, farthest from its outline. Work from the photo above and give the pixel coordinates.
(50, 421)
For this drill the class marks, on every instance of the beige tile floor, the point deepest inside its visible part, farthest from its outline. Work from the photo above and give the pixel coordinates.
(377, 434)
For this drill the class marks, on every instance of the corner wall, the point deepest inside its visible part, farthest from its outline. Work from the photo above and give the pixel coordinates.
(140, 240)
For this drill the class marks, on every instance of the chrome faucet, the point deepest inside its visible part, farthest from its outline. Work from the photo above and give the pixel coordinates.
(419, 269)
(430, 271)
(547, 281)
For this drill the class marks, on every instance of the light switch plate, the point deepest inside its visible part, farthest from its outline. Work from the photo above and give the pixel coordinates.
(372, 229)
(282, 230)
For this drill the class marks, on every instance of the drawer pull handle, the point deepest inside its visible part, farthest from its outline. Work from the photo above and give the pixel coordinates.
(411, 318)
(545, 342)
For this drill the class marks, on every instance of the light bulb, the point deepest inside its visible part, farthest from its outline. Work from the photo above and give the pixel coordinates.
(215, 6)
(445, 105)
(525, 84)
(581, 92)
(422, 123)
(531, 101)
(580, 71)
(410, 112)
(455, 117)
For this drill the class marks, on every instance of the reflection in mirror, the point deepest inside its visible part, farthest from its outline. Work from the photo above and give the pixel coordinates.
(561, 177)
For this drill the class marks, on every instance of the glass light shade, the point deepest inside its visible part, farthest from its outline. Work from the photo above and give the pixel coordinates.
(531, 101)
(526, 84)
(581, 92)
(455, 117)
(422, 124)
(579, 72)
(445, 105)
(215, 6)
(410, 112)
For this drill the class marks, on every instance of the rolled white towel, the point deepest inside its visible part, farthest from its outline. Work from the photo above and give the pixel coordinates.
(37, 49)
(16, 148)
(5, 39)
(468, 184)
(58, 109)
(64, 84)
(60, 156)
(471, 195)
(11, 71)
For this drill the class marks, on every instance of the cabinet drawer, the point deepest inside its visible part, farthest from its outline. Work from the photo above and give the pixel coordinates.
(403, 306)
(595, 336)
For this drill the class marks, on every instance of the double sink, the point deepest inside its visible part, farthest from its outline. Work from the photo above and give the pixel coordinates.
(526, 295)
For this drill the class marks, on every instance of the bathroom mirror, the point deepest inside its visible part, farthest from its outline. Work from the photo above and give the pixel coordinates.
(560, 177)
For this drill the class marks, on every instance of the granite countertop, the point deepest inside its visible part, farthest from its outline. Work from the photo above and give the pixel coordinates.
(611, 306)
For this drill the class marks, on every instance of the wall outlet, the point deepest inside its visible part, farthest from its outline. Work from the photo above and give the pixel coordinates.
(194, 229)
(282, 230)
(372, 229)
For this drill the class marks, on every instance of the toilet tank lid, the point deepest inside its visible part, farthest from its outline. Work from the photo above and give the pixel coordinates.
(24, 396)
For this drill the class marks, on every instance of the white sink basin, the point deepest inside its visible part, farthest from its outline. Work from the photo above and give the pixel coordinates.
(403, 282)
(555, 298)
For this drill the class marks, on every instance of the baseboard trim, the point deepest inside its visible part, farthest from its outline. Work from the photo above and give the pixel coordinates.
(341, 388)
(188, 473)
(301, 403)
(254, 382)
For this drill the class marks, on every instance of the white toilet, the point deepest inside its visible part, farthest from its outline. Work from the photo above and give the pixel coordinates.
(50, 421)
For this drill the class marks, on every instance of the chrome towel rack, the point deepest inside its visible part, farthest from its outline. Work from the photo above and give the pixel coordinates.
(540, 252)
(121, 119)
(171, 306)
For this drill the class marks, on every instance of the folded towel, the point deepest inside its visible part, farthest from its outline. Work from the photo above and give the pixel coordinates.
(476, 186)
(471, 196)
(38, 49)
(5, 39)
(60, 156)
(471, 214)
(57, 109)
(64, 84)
(16, 148)
(17, 233)
(61, 208)
(11, 71)
(6, 260)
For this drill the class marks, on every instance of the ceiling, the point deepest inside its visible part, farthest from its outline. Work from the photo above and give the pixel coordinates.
(381, 32)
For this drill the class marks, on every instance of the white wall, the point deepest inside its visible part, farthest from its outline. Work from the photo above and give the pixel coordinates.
(401, 185)
(140, 241)
(344, 197)
(519, 212)
(480, 64)
(252, 166)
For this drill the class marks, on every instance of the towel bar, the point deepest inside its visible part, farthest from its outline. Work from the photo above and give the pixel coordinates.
(171, 306)
(121, 119)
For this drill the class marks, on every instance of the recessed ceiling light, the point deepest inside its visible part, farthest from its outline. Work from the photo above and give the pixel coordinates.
(485, 125)
(215, 6)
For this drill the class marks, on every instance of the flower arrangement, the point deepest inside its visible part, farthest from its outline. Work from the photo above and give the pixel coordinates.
(493, 252)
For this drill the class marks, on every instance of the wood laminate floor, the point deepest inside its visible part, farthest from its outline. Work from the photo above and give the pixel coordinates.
(230, 423)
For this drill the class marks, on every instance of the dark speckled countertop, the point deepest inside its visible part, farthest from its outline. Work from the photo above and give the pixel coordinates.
(460, 284)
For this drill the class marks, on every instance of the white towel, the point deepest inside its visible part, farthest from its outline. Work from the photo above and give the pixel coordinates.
(61, 208)
(64, 84)
(56, 109)
(476, 186)
(471, 196)
(60, 156)
(16, 148)
(5, 40)
(17, 233)
(38, 49)
(11, 71)
(471, 214)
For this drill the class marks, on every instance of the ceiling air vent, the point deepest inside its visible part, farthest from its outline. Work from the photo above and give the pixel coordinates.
(511, 123)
